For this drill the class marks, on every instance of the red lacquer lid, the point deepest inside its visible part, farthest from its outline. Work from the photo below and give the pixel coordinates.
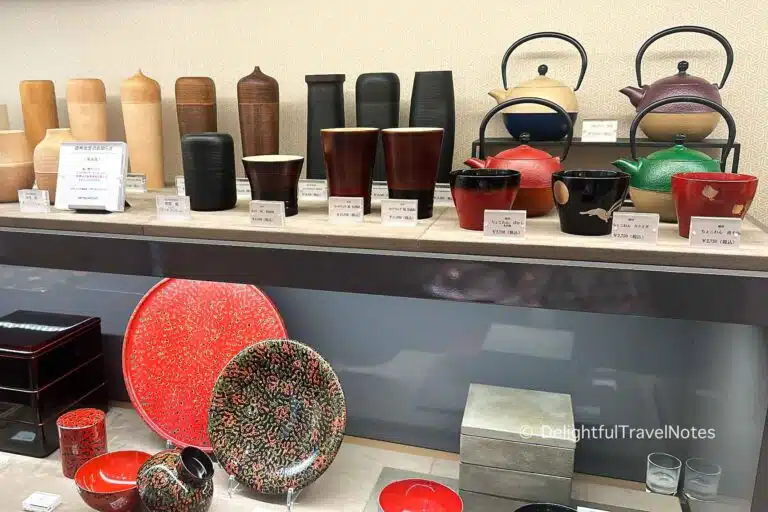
(80, 418)
(179, 338)
(417, 495)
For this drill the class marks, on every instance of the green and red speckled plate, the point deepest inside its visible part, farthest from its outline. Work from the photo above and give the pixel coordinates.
(180, 336)
(277, 416)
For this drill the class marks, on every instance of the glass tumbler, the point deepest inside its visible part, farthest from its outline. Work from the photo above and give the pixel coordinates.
(702, 479)
(663, 473)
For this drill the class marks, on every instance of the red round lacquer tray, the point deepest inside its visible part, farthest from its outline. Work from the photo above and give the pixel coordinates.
(179, 338)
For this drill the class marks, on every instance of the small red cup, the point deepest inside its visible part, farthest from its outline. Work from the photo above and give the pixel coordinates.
(82, 437)
(477, 190)
(711, 194)
(418, 494)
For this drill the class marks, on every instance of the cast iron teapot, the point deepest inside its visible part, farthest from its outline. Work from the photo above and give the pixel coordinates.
(535, 120)
(535, 166)
(694, 121)
(651, 182)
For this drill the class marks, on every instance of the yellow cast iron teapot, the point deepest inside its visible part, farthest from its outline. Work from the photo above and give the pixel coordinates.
(539, 122)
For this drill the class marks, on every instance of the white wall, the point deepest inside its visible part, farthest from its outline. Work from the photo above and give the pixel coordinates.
(224, 39)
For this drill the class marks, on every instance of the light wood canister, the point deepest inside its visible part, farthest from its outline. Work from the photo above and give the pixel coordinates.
(142, 115)
(46, 159)
(16, 169)
(196, 105)
(5, 124)
(258, 102)
(87, 108)
(38, 107)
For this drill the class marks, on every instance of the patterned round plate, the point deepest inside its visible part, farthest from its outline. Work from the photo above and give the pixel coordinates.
(277, 416)
(178, 339)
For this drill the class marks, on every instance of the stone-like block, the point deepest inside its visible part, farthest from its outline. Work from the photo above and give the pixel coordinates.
(476, 502)
(517, 485)
(527, 457)
(519, 415)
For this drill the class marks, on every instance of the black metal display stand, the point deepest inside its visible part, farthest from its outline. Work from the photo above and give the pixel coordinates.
(498, 144)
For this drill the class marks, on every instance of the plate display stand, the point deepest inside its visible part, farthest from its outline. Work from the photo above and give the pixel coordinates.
(290, 499)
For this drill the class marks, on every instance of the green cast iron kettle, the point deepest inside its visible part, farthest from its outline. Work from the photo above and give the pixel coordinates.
(655, 171)
(650, 185)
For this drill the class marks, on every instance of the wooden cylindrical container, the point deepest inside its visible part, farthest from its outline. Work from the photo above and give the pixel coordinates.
(196, 105)
(209, 171)
(258, 101)
(38, 107)
(46, 159)
(16, 169)
(5, 124)
(87, 109)
(143, 118)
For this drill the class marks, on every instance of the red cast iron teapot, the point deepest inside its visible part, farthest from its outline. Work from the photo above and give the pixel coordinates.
(535, 166)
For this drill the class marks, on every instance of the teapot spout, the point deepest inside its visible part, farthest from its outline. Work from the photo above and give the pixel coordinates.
(498, 94)
(635, 94)
(475, 163)
(628, 166)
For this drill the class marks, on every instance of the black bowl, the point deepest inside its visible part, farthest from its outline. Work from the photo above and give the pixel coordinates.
(587, 199)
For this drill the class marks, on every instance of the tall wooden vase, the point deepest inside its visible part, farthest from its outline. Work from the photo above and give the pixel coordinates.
(196, 105)
(143, 118)
(87, 109)
(38, 107)
(258, 101)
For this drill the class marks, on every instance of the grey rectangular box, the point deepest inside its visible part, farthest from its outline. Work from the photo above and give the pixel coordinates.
(476, 502)
(517, 485)
(526, 457)
(519, 415)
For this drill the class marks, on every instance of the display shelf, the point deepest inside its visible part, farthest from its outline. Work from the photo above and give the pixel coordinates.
(434, 259)
(494, 145)
(346, 486)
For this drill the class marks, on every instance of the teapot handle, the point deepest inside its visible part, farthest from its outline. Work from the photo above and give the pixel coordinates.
(687, 28)
(538, 35)
(686, 99)
(516, 101)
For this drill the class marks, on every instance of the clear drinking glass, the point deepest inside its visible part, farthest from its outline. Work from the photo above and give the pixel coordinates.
(702, 479)
(663, 474)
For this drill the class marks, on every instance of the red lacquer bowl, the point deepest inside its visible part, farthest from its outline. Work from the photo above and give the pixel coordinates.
(108, 482)
(477, 190)
(417, 495)
(707, 194)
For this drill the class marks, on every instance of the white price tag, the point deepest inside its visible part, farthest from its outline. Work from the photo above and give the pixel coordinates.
(593, 130)
(715, 232)
(34, 201)
(379, 191)
(41, 502)
(443, 195)
(136, 183)
(173, 208)
(635, 227)
(504, 223)
(345, 210)
(313, 190)
(585, 509)
(92, 176)
(243, 188)
(181, 189)
(267, 214)
(399, 212)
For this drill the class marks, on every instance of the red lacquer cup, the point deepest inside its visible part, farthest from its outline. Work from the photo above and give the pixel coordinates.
(82, 436)
(711, 194)
(477, 190)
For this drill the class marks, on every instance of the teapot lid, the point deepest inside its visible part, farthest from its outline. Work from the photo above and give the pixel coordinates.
(542, 80)
(679, 152)
(683, 78)
(524, 151)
